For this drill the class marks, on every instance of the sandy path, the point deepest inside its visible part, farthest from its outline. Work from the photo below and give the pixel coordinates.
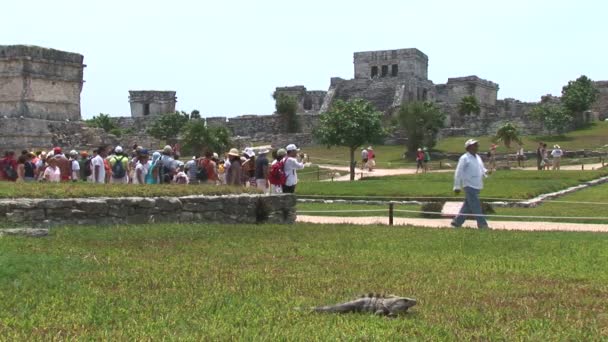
(445, 223)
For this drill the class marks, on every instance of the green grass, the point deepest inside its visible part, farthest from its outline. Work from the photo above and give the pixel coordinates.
(79, 190)
(196, 282)
(389, 156)
(502, 184)
(593, 137)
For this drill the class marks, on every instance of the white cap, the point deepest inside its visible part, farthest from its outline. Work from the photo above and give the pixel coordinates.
(249, 152)
(118, 149)
(292, 147)
(215, 156)
(470, 142)
(73, 152)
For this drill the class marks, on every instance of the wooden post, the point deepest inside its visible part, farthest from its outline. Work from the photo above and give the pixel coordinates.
(440, 166)
(583, 166)
(390, 213)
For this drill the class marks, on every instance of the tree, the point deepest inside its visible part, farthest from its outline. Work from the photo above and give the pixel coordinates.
(578, 96)
(102, 121)
(168, 126)
(553, 116)
(199, 138)
(421, 122)
(507, 134)
(287, 108)
(469, 105)
(351, 124)
(195, 114)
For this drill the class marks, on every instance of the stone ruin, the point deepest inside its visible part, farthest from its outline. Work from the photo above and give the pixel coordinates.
(40, 101)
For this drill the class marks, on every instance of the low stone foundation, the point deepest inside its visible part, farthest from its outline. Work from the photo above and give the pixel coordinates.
(232, 209)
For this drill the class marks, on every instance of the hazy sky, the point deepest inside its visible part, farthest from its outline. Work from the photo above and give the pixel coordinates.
(226, 57)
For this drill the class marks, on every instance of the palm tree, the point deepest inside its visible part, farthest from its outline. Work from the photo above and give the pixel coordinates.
(469, 105)
(507, 134)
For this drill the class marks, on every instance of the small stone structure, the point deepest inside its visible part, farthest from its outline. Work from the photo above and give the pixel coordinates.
(40, 83)
(231, 209)
(308, 101)
(151, 102)
(600, 108)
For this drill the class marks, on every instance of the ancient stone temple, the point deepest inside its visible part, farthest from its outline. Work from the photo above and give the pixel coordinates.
(151, 102)
(40, 83)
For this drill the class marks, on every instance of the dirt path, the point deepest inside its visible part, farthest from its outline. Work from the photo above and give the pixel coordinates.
(445, 223)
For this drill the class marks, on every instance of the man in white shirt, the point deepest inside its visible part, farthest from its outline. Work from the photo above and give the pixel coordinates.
(292, 163)
(75, 166)
(557, 154)
(469, 176)
(98, 166)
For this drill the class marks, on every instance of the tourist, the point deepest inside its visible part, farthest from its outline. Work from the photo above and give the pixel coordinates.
(85, 166)
(221, 172)
(63, 163)
(98, 166)
(371, 158)
(74, 166)
(427, 159)
(29, 168)
(208, 164)
(469, 175)
(166, 166)
(40, 165)
(249, 168)
(192, 170)
(364, 158)
(545, 153)
(8, 167)
(120, 166)
(557, 154)
(142, 167)
(279, 156)
(261, 170)
(234, 169)
(53, 173)
(292, 164)
(152, 176)
(539, 156)
(520, 156)
(419, 160)
(21, 168)
(180, 176)
(492, 158)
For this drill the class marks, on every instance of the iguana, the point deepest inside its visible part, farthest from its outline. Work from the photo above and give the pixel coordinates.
(378, 304)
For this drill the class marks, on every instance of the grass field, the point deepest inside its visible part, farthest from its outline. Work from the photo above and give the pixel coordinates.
(243, 282)
(593, 137)
(77, 190)
(502, 184)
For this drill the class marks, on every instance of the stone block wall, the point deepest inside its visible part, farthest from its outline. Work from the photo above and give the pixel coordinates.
(231, 209)
(600, 107)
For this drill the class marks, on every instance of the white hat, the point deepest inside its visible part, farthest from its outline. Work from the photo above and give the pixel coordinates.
(556, 146)
(419, 149)
(470, 142)
(167, 149)
(118, 149)
(248, 151)
(73, 153)
(215, 156)
(292, 147)
(263, 151)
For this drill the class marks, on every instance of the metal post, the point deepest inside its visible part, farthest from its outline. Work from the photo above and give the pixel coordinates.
(390, 213)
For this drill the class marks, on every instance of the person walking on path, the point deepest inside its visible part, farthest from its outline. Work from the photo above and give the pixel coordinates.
(520, 156)
(557, 154)
(427, 159)
(371, 158)
(419, 160)
(539, 156)
(364, 156)
(261, 170)
(292, 163)
(469, 176)
(492, 157)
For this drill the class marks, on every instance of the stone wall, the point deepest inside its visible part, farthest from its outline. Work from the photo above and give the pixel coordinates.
(151, 102)
(229, 209)
(600, 107)
(40, 83)
(408, 62)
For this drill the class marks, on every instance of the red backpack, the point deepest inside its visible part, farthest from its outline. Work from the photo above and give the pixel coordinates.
(277, 175)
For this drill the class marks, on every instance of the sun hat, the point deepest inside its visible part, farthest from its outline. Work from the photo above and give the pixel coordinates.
(291, 147)
(84, 154)
(167, 149)
(215, 156)
(73, 153)
(369, 148)
(234, 152)
(263, 151)
(556, 146)
(470, 142)
(118, 149)
(281, 152)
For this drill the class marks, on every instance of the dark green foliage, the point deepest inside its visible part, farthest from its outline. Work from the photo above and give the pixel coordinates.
(168, 126)
(553, 116)
(102, 121)
(351, 124)
(287, 108)
(198, 138)
(507, 134)
(195, 114)
(578, 96)
(421, 122)
(469, 105)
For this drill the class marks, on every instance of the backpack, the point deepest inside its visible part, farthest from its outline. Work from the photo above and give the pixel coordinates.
(9, 170)
(201, 171)
(118, 169)
(277, 175)
(88, 170)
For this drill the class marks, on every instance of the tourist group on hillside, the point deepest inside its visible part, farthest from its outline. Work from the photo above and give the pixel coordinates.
(104, 165)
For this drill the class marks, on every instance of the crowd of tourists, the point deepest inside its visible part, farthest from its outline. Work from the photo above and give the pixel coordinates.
(104, 165)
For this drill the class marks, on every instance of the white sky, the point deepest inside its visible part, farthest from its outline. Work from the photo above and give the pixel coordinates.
(226, 57)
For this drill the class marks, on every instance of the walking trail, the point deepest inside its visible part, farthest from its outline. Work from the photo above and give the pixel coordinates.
(445, 223)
